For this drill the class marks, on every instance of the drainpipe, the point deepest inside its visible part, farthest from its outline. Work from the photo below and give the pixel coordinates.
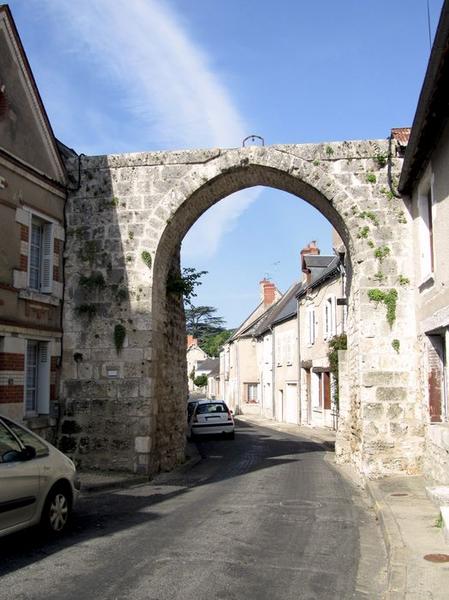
(299, 395)
(237, 373)
(273, 375)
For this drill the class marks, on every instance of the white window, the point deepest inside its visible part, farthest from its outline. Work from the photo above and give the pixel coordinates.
(279, 349)
(426, 219)
(330, 317)
(289, 348)
(252, 393)
(311, 325)
(40, 255)
(37, 384)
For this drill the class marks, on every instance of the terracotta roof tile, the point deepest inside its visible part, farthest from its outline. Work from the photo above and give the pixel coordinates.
(401, 134)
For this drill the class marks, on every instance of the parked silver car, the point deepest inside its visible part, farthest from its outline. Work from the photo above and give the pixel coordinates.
(38, 483)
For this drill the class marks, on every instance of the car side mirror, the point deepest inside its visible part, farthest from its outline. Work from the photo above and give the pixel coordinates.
(28, 453)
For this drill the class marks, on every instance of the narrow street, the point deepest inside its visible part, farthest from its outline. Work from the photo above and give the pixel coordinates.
(266, 516)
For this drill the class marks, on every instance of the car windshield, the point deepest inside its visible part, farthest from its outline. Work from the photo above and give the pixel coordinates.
(211, 407)
(28, 439)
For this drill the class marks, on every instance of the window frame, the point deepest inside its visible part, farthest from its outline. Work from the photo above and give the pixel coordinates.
(46, 253)
(311, 325)
(42, 377)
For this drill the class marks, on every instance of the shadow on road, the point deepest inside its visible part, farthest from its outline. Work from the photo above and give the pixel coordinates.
(103, 514)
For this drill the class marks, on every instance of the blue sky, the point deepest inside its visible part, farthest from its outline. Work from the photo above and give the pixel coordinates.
(132, 75)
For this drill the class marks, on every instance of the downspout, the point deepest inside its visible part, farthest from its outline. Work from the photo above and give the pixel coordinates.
(273, 375)
(389, 166)
(63, 263)
(237, 371)
(299, 394)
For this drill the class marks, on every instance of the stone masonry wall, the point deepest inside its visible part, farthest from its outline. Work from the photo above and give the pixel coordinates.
(123, 408)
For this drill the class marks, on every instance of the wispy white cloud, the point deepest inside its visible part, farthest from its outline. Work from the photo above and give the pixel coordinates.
(166, 82)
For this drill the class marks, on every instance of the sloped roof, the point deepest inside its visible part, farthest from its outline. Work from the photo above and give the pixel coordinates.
(401, 134)
(321, 276)
(283, 309)
(431, 112)
(28, 138)
(208, 364)
(317, 261)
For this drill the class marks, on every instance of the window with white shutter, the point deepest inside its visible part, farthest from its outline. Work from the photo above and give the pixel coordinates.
(47, 258)
(40, 255)
(311, 325)
(37, 389)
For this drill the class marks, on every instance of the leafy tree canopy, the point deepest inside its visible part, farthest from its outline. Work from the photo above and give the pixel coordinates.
(212, 344)
(200, 381)
(202, 322)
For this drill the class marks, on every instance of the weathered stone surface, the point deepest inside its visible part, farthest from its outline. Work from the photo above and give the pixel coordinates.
(129, 401)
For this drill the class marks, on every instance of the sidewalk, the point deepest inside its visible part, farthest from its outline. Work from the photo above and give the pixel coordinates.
(408, 521)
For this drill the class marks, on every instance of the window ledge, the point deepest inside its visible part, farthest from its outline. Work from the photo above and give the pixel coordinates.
(39, 297)
(438, 433)
(426, 284)
(36, 422)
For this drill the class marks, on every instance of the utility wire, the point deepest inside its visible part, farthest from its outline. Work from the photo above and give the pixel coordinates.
(428, 26)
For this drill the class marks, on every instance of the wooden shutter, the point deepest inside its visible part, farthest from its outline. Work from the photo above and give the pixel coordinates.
(47, 258)
(43, 379)
(326, 390)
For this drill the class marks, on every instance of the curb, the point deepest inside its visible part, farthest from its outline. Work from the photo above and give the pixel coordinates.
(396, 550)
(107, 486)
(192, 453)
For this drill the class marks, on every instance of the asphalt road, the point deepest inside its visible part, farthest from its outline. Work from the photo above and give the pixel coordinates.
(266, 516)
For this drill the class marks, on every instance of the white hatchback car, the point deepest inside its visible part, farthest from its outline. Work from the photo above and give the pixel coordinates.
(211, 417)
(38, 483)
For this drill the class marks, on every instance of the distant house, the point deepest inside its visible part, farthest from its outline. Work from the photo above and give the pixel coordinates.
(194, 355)
(239, 373)
(425, 181)
(320, 319)
(277, 352)
(276, 363)
(32, 197)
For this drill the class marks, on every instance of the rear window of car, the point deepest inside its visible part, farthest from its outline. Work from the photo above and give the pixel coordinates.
(211, 407)
(28, 439)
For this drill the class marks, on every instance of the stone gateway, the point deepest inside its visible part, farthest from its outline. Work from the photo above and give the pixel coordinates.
(124, 383)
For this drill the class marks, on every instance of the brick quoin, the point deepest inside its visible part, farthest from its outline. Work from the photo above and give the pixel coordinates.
(57, 246)
(55, 273)
(54, 363)
(23, 263)
(11, 361)
(11, 394)
(24, 233)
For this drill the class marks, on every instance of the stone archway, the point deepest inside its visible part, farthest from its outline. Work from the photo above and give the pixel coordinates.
(151, 200)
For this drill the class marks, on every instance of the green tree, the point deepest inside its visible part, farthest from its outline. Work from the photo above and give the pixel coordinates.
(201, 322)
(338, 342)
(184, 283)
(200, 381)
(212, 344)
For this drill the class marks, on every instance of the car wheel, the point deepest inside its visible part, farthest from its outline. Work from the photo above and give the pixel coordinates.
(57, 509)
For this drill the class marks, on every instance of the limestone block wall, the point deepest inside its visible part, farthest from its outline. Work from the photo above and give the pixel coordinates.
(124, 408)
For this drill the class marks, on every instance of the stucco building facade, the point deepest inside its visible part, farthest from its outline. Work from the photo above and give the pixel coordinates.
(32, 198)
(425, 182)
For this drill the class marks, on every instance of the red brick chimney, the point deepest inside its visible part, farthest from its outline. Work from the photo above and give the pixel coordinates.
(191, 341)
(267, 292)
(312, 248)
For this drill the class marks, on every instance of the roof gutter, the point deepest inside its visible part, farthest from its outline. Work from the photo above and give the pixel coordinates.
(431, 110)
